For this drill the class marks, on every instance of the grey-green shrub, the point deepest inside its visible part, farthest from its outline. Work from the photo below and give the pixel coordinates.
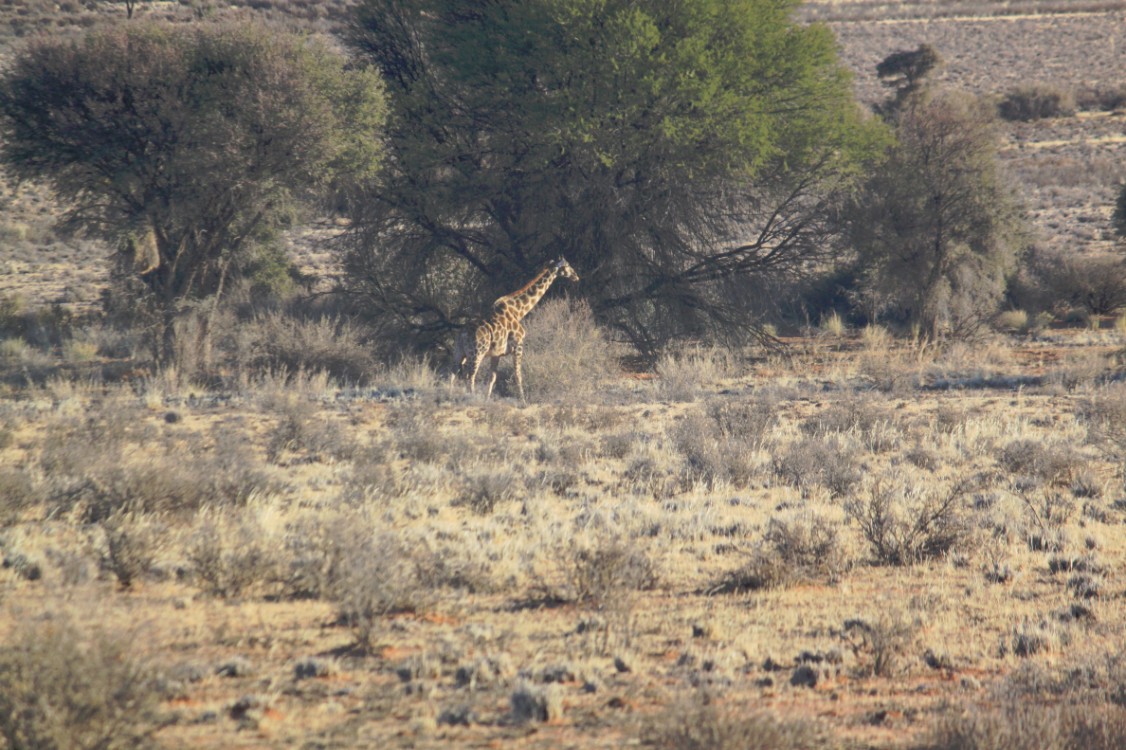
(71, 690)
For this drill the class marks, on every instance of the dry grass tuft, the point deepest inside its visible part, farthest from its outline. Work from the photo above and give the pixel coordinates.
(706, 723)
(602, 571)
(537, 703)
(280, 342)
(905, 523)
(824, 462)
(378, 576)
(1035, 462)
(1036, 102)
(801, 549)
(718, 448)
(883, 641)
(683, 375)
(568, 357)
(132, 544)
(1079, 708)
(1104, 415)
(232, 553)
(303, 432)
(64, 688)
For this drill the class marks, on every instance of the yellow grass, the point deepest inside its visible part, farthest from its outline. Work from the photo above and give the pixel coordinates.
(571, 542)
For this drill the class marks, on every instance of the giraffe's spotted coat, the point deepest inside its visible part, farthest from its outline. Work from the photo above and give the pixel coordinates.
(502, 331)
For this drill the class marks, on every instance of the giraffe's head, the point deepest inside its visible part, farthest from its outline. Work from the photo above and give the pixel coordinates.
(563, 268)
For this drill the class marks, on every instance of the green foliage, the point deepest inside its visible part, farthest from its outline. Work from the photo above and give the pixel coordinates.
(196, 138)
(672, 152)
(935, 228)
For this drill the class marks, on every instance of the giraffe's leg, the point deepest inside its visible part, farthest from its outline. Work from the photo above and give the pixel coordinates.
(492, 377)
(519, 355)
(477, 359)
(457, 364)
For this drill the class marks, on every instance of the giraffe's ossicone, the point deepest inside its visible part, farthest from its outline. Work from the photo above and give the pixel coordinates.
(502, 333)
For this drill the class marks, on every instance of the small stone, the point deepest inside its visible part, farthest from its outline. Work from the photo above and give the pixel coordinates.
(459, 716)
(937, 661)
(246, 706)
(804, 676)
(559, 673)
(309, 668)
(24, 567)
(236, 667)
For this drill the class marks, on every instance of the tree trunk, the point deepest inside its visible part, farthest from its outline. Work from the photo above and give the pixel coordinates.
(166, 341)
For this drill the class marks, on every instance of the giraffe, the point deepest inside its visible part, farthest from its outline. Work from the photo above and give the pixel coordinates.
(494, 336)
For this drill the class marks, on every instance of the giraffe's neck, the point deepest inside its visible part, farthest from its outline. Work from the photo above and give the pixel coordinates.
(523, 300)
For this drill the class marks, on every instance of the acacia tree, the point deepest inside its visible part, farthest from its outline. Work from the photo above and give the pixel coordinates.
(907, 72)
(935, 227)
(675, 153)
(187, 142)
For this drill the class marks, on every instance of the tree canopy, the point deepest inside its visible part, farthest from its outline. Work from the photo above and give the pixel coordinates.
(907, 72)
(935, 227)
(675, 153)
(195, 138)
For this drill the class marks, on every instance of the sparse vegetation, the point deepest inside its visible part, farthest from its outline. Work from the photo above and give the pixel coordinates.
(1084, 710)
(568, 355)
(63, 687)
(299, 533)
(591, 525)
(378, 576)
(705, 723)
(907, 523)
(935, 228)
(793, 551)
(883, 642)
(188, 175)
(1095, 284)
(1036, 102)
(230, 553)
